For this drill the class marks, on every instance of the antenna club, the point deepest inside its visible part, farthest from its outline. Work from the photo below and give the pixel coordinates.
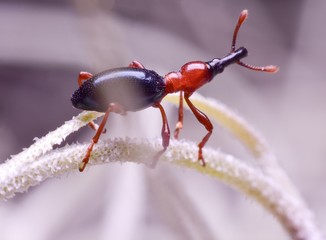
(243, 16)
(271, 69)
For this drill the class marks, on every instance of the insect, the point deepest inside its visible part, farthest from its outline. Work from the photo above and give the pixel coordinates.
(134, 88)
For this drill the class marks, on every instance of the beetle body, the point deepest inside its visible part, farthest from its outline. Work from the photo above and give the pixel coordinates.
(134, 88)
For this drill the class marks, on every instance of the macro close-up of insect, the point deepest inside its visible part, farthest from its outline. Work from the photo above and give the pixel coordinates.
(134, 88)
(173, 113)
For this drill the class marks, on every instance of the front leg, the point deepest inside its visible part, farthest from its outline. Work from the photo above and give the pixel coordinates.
(204, 120)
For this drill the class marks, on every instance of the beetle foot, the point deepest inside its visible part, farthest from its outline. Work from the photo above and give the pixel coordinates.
(178, 127)
(201, 158)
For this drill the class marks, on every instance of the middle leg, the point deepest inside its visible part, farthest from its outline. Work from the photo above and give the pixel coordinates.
(165, 132)
(179, 124)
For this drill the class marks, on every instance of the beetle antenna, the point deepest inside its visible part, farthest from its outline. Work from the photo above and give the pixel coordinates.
(270, 68)
(243, 16)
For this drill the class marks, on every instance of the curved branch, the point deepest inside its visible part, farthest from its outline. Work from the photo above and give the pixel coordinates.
(296, 220)
(39, 162)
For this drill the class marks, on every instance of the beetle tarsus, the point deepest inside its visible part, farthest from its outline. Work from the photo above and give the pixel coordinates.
(179, 124)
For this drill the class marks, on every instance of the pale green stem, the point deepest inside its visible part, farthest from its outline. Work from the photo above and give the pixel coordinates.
(245, 133)
(38, 162)
(297, 220)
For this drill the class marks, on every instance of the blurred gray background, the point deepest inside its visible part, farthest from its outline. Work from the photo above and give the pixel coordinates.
(44, 45)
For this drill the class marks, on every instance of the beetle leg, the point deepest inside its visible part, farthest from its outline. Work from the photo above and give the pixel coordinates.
(83, 76)
(94, 141)
(179, 124)
(116, 108)
(165, 133)
(204, 120)
(95, 126)
(136, 64)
